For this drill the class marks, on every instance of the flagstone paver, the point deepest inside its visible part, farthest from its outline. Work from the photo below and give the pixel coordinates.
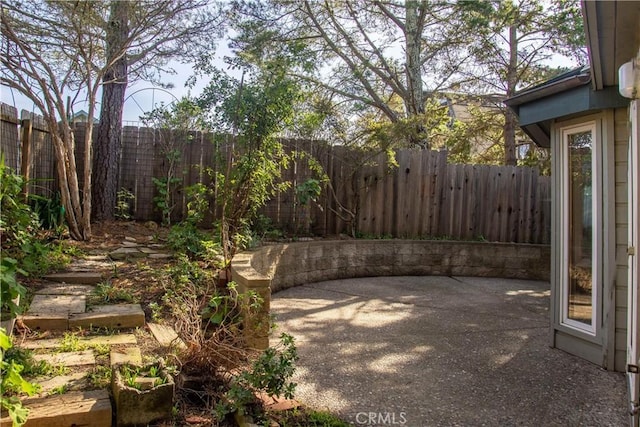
(88, 341)
(160, 256)
(166, 335)
(71, 358)
(72, 381)
(129, 356)
(65, 289)
(58, 304)
(126, 253)
(76, 277)
(51, 312)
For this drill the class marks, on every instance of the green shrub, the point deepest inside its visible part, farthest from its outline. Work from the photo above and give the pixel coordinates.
(49, 211)
(18, 224)
(12, 383)
(124, 199)
(10, 288)
(186, 238)
(271, 374)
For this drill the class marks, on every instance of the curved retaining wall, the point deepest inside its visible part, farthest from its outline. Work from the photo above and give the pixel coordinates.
(275, 267)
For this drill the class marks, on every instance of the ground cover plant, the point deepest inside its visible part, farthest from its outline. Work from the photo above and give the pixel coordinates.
(216, 375)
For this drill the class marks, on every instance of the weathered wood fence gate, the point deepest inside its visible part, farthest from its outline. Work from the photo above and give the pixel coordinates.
(423, 197)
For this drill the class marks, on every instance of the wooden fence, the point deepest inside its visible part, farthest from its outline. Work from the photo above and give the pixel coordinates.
(422, 197)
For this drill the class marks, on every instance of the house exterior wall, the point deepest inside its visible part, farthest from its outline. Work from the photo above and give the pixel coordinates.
(621, 118)
(608, 347)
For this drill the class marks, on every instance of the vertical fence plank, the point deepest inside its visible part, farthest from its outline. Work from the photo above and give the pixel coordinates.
(493, 205)
(402, 178)
(145, 188)
(425, 189)
(129, 166)
(413, 207)
(209, 163)
(387, 194)
(468, 197)
(482, 201)
(382, 207)
(43, 174)
(9, 139)
(543, 211)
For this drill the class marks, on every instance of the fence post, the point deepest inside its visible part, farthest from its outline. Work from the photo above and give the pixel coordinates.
(26, 129)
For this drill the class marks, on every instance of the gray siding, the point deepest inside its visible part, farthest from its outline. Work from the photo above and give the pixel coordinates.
(621, 118)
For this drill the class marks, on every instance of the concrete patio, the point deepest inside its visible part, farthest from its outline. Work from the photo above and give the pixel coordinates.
(432, 350)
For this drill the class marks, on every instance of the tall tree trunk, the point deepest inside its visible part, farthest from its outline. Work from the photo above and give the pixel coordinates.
(510, 119)
(414, 103)
(109, 130)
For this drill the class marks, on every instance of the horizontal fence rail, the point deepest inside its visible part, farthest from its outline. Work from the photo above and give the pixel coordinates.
(419, 195)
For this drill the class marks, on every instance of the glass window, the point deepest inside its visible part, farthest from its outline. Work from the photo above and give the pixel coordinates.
(580, 227)
(578, 239)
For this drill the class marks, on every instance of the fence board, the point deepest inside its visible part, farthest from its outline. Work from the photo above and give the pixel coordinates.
(423, 197)
(10, 136)
(379, 192)
(145, 188)
(412, 209)
(209, 162)
(43, 172)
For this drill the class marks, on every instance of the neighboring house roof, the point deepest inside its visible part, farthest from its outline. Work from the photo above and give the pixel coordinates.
(463, 107)
(81, 117)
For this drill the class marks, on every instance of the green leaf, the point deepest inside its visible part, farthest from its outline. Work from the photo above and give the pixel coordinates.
(17, 412)
(5, 340)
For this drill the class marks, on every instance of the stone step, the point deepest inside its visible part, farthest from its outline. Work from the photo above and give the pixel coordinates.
(88, 408)
(74, 381)
(166, 335)
(58, 304)
(55, 288)
(90, 263)
(51, 312)
(76, 277)
(127, 356)
(109, 316)
(125, 254)
(71, 358)
(85, 341)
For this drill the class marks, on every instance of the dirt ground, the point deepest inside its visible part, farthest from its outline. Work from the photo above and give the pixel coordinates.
(141, 281)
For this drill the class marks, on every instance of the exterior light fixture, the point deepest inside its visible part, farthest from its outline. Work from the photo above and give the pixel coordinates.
(629, 80)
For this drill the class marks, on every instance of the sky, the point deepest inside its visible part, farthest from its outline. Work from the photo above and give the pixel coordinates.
(140, 97)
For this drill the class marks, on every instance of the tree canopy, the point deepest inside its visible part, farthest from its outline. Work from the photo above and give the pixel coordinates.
(381, 62)
(373, 72)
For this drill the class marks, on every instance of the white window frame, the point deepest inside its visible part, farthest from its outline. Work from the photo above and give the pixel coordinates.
(596, 210)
